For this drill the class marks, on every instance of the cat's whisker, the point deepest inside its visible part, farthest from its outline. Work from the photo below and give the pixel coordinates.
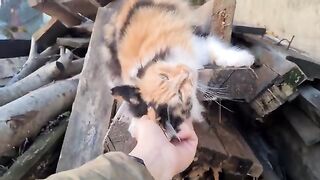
(209, 87)
(214, 93)
(255, 74)
(224, 106)
(204, 90)
(214, 96)
(220, 113)
(212, 88)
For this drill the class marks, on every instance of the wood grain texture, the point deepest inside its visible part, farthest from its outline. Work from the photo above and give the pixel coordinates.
(92, 108)
(48, 33)
(57, 10)
(309, 102)
(210, 149)
(306, 129)
(73, 42)
(241, 159)
(223, 12)
(299, 161)
(278, 78)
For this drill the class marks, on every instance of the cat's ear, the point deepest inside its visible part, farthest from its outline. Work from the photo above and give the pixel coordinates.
(127, 93)
(132, 96)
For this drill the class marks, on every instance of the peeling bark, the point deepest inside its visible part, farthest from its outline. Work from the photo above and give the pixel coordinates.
(24, 117)
(42, 76)
(34, 61)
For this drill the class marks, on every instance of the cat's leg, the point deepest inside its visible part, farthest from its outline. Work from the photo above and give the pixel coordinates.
(225, 56)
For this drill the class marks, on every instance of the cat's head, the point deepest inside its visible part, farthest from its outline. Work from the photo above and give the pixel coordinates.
(163, 84)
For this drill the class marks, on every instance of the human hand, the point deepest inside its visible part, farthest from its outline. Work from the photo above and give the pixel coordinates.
(162, 158)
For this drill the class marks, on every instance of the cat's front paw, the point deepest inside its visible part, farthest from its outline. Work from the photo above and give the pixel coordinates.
(236, 58)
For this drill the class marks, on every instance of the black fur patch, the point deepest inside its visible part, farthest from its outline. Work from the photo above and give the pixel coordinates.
(199, 32)
(131, 94)
(114, 65)
(162, 112)
(140, 4)
(159, 56)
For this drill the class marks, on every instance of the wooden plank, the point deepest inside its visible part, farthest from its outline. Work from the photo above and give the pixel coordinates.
(236, 83)
(309, 102)
(298, 160)
(57, 10)
(87, 8)
(119, 138)
(248, 30)
(241, 158)
(280, 85)
(84, 7)
(73, 42)
(48, 33)
(92, 108)
(309, 66)
(100, 3)
(210, 150)
(268, 101)
(307, 130)
(223, 12)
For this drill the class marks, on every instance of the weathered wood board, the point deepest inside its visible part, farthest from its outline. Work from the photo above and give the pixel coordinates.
(278, 78)
(309, 102)
(57, 10)
(92, 108)
(298, 160)
(306, 129)
(210, 150)
(84, 7)
(47, 34)
(119, 138)
(223, 13)
(234, 83)
(241, 159)
(73, 42)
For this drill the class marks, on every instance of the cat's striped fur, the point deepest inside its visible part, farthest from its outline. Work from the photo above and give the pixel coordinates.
(157, 52)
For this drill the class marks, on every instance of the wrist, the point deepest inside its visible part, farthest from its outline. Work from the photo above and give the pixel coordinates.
(153, 162)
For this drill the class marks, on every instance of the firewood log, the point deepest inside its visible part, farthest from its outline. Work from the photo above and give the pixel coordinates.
(25, 116)
(42, 76)
(34, 61)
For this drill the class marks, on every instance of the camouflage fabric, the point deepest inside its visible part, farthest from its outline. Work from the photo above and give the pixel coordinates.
(113, 165)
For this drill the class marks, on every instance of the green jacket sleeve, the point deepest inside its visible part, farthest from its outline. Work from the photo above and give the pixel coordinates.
(113, 165)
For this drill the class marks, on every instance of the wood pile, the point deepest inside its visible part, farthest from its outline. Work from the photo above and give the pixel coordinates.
(67, 66)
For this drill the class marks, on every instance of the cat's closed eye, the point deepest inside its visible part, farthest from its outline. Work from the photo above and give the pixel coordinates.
(163, 76)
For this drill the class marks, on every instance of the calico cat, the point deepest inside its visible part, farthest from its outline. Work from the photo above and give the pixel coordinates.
(158, 49)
